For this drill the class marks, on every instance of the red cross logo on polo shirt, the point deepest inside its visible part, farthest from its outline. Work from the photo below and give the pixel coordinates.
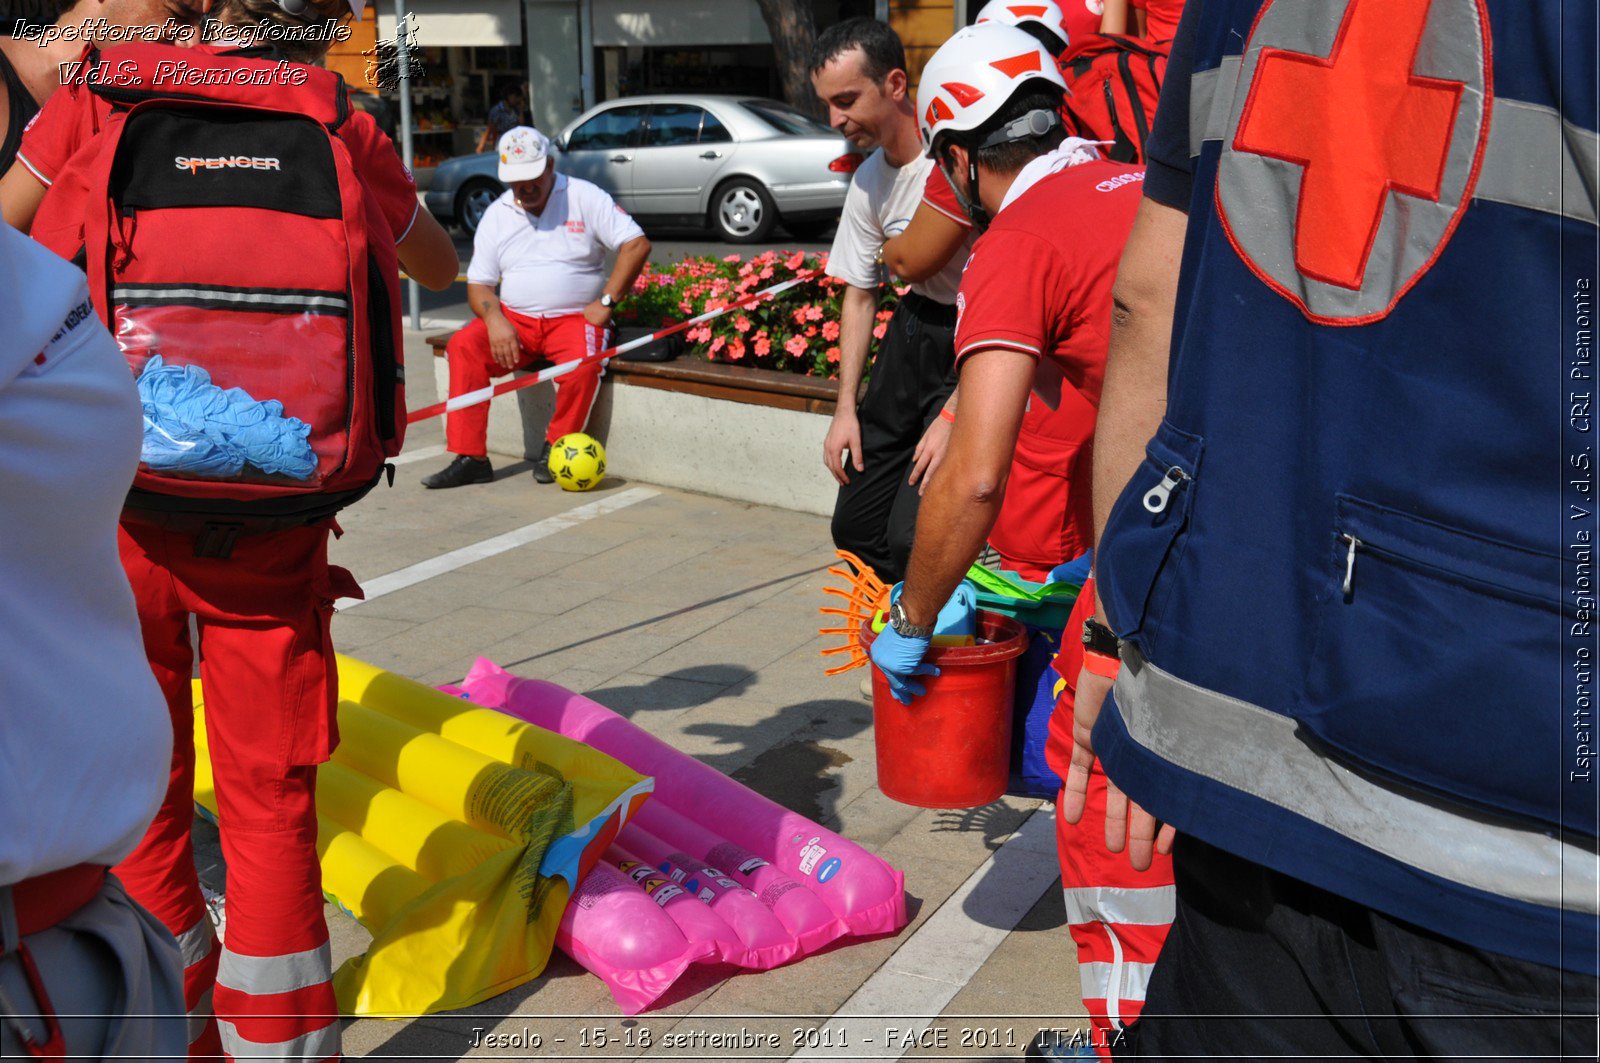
(1379, 112)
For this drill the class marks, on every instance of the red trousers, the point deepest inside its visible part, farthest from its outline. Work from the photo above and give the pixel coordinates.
(271, 693)
(558, 339)
(1118, 917)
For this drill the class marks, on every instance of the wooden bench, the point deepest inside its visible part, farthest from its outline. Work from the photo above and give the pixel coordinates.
(716, 380)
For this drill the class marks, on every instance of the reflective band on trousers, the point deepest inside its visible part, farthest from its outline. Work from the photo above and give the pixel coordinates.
(199, 1017)
(264, 975)
(1518, 164)
(196, 943)
(1247, 748)
(1094, 981)
(1148, 906)
(318, 1044)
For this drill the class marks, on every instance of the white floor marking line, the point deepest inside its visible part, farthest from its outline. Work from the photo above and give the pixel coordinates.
(411, 575)
(420, 454)
(940, 959)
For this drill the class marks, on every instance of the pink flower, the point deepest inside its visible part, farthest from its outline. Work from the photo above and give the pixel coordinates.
(733, 258)
(763, 345)
(736, 350)
(879, 330)
(833, 355)
(796, 345)
(814, 313)
(902, 289)
(741, 323)
(717, 344)
(796, 260)
(811, 332)
(884, 315)
(800, 316)
(766, 274)
(830, 330)
(699, 334)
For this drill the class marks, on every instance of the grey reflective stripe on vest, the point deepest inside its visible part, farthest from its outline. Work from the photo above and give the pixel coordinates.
(264, 975)
(1517, 168)
(316, 1045)
(1247, 748)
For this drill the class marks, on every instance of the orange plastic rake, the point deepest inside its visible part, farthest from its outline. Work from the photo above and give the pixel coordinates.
(864, 595)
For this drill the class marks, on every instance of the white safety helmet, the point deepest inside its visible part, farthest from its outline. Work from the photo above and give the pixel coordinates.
(972, 76)
(1046, 14)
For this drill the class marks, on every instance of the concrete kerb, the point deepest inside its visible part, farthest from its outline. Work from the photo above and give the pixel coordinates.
(729, 449)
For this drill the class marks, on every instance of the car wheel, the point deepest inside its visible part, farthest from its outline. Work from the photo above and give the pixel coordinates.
(742, 211)
(473, 199)
(810, 231)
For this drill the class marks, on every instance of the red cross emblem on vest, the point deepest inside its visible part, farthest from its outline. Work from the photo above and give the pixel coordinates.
(1356, 133)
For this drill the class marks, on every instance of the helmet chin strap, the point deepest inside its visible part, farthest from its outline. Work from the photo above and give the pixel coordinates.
(1033, 124)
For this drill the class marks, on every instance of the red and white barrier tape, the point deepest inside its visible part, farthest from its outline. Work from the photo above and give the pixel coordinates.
(473, 398)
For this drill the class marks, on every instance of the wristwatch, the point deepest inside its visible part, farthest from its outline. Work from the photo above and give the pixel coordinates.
(1101, 649)
(606, 300)
(904, 627)
(1099, 639)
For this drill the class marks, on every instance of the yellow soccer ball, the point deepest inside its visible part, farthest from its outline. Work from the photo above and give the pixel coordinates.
(577, 461)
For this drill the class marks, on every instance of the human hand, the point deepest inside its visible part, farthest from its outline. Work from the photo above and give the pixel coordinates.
(899, 658)
(1127, 825)
(843, 434)
(929, 455)
(504, 346)
(597, 315)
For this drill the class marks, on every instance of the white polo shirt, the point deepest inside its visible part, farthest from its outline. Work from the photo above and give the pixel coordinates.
(550, 264)
(85, 741)
(880, 204)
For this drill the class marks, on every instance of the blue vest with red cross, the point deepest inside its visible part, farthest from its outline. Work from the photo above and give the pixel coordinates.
(1356, 570)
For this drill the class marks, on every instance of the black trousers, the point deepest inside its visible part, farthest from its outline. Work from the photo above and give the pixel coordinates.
(914, 373)
(1260, 965)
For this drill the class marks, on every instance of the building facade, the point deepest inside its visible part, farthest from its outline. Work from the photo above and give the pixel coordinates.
(572, 54)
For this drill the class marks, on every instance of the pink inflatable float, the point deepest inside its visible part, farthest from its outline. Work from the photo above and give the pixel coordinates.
(763, 887)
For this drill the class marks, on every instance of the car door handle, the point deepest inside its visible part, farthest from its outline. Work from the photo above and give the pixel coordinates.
(622, 158)
(711, 154)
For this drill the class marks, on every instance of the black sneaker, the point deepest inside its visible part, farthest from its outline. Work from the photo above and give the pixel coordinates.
(460, 472)
(541, 467)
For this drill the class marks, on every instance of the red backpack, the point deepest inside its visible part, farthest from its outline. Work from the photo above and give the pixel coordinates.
(1114, 83)
(228, 229)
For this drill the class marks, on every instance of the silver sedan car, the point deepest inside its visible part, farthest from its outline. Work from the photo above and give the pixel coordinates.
(735, 164)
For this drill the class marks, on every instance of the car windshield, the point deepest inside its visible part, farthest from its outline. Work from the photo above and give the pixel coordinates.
(786, 119)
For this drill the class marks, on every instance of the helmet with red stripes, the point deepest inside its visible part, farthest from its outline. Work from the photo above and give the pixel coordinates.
(1046, 14)
(970, 78)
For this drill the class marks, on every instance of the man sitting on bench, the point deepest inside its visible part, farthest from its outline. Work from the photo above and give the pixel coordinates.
(543, 244)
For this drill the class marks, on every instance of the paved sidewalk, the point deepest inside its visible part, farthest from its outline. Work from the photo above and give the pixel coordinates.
(696, 618)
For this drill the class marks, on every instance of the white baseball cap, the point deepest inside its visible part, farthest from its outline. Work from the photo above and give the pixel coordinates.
(524, 154)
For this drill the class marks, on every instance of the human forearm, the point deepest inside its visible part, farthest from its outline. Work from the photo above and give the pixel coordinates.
(631, 258)
(963, 502)
(926, 245)
(1114, 17)
(856, 313)
(484, 302)
(1134, 398)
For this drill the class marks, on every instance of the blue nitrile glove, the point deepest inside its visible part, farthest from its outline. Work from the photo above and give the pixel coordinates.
(900, 658)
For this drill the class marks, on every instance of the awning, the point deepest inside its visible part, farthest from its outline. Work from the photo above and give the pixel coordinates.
(443, 23)
(676, 23)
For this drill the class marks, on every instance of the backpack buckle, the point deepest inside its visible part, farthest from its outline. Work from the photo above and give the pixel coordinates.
(217, 538)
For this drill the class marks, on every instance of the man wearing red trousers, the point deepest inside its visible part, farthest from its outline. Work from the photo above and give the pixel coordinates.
(542, 243)
(262, 605)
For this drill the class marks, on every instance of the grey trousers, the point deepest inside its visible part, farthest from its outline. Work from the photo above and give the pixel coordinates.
(113, 977)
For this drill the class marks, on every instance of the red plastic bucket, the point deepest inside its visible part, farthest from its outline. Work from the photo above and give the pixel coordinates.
(951, 748)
